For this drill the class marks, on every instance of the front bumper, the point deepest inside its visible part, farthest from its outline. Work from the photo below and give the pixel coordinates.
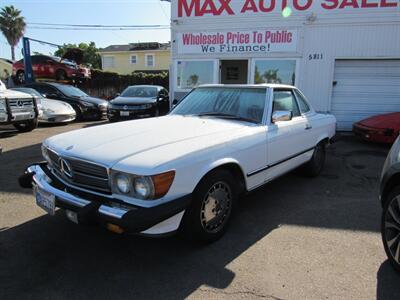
(116, 113)
(376, 135)
(49, 118)
(106, 211)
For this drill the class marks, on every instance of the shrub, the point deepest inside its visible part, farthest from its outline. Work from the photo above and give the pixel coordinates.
(107, 84)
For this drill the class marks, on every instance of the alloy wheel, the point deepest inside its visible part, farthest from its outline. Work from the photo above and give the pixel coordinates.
(392, 228)
(216, 207)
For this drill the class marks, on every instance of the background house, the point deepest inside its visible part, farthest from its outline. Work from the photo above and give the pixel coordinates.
(136, 57)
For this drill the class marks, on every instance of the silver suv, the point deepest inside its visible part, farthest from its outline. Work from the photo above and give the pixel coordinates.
(18, 109)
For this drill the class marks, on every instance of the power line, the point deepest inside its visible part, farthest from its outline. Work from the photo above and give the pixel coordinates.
(95, 25)
(98, 29)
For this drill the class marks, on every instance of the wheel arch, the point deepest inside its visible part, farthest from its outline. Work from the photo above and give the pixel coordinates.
(324, 140)
(389, 186)
(229, 164)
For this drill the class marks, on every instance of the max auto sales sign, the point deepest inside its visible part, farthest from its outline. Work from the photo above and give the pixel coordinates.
(258, 41)
(235, 42)
(213, 8)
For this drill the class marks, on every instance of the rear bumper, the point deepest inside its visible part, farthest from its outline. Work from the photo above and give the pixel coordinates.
(106, 211)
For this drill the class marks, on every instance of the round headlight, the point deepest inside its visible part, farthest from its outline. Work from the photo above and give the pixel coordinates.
(143, 187)
(123, 183)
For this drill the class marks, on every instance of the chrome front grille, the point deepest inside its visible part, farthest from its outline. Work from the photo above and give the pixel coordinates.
(82, 173)
(21, 105)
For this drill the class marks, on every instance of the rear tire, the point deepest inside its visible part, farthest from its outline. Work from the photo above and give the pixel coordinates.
(390, 227)
(207, 218)
(27, 126)
(315, 166)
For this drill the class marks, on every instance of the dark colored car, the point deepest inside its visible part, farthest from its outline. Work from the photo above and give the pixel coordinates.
(52, 67)
(379, 129)
(86, 107)
(390, 198)
(139, 101)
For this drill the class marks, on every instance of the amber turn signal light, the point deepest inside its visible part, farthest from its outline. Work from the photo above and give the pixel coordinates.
(162, 183)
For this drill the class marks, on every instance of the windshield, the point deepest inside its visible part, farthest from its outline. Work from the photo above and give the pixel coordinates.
(245, 103)
(71, 91)
(28, 91)
(140, 91)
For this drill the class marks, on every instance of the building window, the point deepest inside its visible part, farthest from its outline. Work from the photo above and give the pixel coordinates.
(275, 71)
(150, 60)
(133, 59)
(108, 61)
(193, 73)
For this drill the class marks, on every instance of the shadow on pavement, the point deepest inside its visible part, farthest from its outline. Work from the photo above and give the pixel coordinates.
(49, 257)
(388, 287)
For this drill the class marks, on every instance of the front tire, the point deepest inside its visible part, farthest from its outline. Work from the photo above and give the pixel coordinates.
(390, 227)
(207, 218)
(27, 126)
(314, 167)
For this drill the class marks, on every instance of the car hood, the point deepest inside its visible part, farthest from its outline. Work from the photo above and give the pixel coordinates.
(133, 100)
(59, 107)
(391, 120)
(13, 94)
(112, 143)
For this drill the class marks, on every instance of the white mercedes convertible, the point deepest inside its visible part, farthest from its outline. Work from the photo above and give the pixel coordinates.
(184, 171)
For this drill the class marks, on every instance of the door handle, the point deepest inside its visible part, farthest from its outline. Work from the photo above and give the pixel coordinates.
(308, 126)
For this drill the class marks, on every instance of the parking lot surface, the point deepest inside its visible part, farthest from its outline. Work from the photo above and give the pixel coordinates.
(296, 238)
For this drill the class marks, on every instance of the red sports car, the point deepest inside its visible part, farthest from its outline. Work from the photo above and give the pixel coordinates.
(44, 66)
(380, 129)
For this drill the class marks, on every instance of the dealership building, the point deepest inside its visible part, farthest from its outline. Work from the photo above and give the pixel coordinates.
(343, 54)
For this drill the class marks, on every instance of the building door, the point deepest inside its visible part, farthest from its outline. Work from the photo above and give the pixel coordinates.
(364, 88)
(234, 71)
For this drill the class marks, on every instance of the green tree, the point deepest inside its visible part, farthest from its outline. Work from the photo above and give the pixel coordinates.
(90, 53)
(193, 80)
(12, 25)
(271, 76)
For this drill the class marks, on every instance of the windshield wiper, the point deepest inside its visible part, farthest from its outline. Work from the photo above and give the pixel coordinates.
(226, 116)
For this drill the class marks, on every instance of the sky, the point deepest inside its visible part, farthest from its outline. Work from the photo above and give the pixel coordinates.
(103, 12)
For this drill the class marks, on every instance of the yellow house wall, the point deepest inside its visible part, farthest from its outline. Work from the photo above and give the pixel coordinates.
(122, 61)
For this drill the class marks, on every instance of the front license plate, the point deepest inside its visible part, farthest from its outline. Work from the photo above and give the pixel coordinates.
(124, 113)
(45, 200)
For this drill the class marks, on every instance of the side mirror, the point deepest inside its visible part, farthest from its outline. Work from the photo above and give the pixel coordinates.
(117, 94)
(281, 115)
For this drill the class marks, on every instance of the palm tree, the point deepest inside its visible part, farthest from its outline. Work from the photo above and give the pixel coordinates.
(12, 25)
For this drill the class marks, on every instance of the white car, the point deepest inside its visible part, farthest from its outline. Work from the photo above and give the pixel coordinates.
(50, 110)
(185, 170)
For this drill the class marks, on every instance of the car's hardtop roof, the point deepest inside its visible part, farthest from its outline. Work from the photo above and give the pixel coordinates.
(262, 85)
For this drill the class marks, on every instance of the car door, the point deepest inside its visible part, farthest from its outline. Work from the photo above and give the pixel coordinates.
(285, 139)
(37, 71)
(311, 126)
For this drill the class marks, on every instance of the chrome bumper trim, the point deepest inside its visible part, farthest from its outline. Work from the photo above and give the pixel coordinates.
(41, 180)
